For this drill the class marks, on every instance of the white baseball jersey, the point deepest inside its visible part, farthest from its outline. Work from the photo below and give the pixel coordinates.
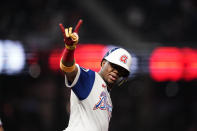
(91, 106)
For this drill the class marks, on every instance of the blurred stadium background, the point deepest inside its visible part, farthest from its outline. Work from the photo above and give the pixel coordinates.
(160, 34)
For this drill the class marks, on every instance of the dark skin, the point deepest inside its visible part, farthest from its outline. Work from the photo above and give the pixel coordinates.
(110, 73)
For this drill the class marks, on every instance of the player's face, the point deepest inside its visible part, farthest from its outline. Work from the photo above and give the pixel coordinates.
(111, 72)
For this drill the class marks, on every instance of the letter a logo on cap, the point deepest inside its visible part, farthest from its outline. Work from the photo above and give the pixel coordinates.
(123, 59)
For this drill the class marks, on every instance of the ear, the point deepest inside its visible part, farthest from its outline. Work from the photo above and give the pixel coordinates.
(103, 63)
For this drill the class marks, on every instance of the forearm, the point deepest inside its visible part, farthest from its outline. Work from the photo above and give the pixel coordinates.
(67, 63)
(68, 57)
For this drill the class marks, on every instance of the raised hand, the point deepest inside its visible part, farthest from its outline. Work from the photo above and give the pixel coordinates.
(71, 38)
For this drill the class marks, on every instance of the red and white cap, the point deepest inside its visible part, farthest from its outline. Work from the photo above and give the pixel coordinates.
(119, 56)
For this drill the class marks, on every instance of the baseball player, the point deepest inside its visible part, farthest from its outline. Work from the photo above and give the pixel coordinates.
(1, 127)
(90, 102)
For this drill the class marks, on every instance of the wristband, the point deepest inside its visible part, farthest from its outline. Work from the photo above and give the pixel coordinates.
(70, 47)
(67, 68)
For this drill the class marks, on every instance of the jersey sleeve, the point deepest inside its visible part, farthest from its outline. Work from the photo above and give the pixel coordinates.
(83, 82)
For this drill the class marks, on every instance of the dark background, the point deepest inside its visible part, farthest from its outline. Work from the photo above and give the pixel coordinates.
(39, 104)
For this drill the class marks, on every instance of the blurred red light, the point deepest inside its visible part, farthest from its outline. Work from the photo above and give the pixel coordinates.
(89, 56)
(86, 55)
(54, 59)
(190, 63)
(166, 63)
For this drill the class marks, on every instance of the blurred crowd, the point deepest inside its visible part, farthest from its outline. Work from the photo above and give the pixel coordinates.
(41, 104)
(36, 22)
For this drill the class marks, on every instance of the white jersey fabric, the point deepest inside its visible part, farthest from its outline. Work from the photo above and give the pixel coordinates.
(90, 102)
